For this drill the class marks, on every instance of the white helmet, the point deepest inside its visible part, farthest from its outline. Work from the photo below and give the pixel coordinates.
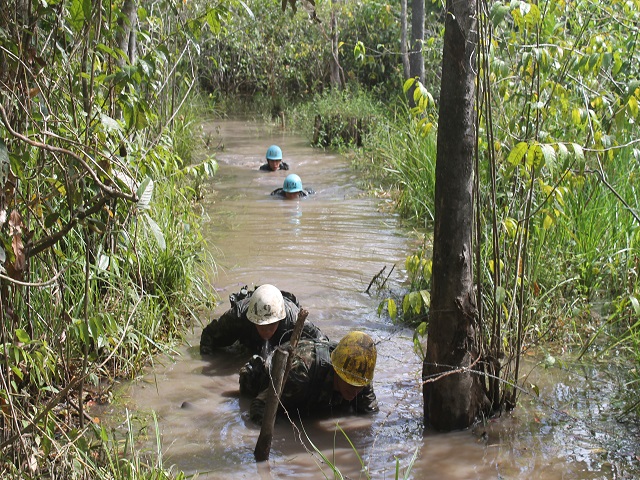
(266, 305)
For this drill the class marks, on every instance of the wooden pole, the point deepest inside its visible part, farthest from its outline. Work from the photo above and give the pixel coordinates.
(280, 367)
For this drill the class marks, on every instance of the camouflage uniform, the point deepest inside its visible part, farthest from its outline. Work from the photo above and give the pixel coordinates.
(279, 192)
(309, 386)
(234, 326)
(266, 167)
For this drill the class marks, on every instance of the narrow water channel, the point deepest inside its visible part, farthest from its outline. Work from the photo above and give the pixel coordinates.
(326, 249)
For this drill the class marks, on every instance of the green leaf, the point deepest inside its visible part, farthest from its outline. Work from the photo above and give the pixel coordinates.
(549, 155)
(406, 303)
(533, 155)
(22, 336)
(144, 193)
(415, 300)
(103, 262)
(359, 51)
(156, 231)
(635, 304)
(633, 106)
(498, 12)
(501, 295)
(213, 20)
(392, 309)
(511, 226)
(515, 156)
(95, 327)
(426, 298)
(109, 124)
(576, 116)
(579, 154)
(79, 11)
(408, 84)
(535, 388)
(563, 155)
(17, 371)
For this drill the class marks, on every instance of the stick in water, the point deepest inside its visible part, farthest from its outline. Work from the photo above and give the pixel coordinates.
(280, 367)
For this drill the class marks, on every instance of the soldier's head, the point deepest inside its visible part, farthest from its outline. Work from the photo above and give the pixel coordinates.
(274, 157)
(353, 360)
(266, 309)
(292, 186)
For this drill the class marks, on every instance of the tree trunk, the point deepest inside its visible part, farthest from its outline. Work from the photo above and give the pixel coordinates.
(416, 61)
(126, 36)
(404, 53)
(336, 70)
(454, 395)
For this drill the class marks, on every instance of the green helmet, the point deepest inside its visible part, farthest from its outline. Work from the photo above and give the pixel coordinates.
(292, 184)
(274, 153)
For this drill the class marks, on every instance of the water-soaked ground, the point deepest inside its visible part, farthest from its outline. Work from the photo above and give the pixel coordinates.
(326, 249)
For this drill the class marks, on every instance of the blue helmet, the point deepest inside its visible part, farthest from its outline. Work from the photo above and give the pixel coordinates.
(292, 184)
(274, 153)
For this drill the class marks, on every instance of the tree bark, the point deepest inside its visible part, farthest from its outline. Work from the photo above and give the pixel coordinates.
(126, 36)
(454, 395)
(404, 52)
(416, 60)
(335, 74)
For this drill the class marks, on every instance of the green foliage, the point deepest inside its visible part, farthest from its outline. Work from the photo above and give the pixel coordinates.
(400, 158)
(266, 52)
(557, 163)
(414, 308)
(284, 56)
(101, 255)
(337, 107)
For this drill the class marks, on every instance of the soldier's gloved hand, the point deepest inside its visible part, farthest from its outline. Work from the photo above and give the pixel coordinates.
(253, 377)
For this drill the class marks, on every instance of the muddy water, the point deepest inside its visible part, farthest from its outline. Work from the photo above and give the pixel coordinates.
(326, 249)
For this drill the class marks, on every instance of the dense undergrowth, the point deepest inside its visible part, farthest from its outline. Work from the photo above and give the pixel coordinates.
(103, 262)
(558, 226)
(556, 197)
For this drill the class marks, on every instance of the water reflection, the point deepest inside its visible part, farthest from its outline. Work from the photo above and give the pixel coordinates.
(326, 249)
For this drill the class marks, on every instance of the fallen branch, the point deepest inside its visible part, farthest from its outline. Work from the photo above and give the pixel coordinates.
(282, 360)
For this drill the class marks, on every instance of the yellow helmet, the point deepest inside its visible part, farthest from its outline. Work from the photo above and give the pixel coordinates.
(354, 359)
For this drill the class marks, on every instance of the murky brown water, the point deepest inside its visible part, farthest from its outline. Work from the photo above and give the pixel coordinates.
(326, 249)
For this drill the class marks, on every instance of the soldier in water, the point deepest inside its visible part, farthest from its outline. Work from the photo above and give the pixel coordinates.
(265, 316)
(324, 377)
(274, 160)
(292, 188)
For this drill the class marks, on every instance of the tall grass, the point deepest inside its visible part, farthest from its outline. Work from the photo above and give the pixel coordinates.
(340, 106)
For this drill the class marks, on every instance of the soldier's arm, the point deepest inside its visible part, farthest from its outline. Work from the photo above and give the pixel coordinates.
(366, 401)
(222, 332)
(292, 395)
(314, 333)
(256, 409)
